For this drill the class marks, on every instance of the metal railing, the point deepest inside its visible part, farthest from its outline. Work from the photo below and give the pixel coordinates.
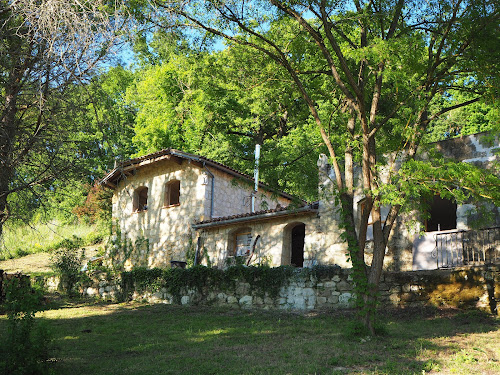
(467, 247)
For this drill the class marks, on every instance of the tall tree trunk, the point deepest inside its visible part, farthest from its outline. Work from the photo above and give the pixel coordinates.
(7, 137)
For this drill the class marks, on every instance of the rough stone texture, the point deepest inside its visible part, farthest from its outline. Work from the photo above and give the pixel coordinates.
(168, 228)
(465, 287)
(245, 301)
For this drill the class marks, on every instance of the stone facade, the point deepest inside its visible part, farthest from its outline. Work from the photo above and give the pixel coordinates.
(410, 246)
(321, 240)
(167, 228)
(210, 224)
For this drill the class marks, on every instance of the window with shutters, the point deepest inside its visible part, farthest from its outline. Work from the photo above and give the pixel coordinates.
(239, 242)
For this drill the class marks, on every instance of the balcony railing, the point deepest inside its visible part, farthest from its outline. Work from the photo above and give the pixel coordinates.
(467, 248)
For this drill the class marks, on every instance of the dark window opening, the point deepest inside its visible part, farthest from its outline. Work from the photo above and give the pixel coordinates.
(141, 199)
(443, 215)
(172, 193)
(298, 235)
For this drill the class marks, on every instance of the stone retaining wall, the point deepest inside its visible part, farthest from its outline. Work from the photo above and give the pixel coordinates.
(466, 287)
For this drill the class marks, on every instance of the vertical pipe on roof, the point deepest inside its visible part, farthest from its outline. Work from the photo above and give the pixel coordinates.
(256, 175)
(212, 190)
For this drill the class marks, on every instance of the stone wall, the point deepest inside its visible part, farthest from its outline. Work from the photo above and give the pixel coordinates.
(168, 228)
(232, 196)
(463, 288)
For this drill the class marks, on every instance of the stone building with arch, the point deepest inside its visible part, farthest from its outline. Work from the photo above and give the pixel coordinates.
(181, 202)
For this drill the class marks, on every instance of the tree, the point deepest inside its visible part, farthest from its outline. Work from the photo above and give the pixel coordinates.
(47, 48)
(386, 64)
(477, 117)
(220, 104)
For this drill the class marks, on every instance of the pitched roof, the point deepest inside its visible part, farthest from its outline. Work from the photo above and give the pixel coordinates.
(259, 215)
(129, 167)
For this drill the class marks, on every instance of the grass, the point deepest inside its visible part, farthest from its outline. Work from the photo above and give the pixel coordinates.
(19, 241)
(40, 263)
(162, 339)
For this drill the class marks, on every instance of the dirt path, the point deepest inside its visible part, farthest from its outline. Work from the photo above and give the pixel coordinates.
(40, 262)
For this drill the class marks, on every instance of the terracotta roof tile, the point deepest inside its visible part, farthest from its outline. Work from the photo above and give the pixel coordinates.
(312, 207)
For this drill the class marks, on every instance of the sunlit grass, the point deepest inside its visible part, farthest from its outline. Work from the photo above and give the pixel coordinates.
(163, 339)
(21, 240)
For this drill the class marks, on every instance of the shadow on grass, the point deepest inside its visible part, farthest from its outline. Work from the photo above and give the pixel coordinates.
(164, 339)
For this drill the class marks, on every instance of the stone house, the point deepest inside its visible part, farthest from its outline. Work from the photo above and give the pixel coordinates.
(159, 196)
(182, 202)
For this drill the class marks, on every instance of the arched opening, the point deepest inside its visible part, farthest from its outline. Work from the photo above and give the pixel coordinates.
(172, 193)
(443, 215)
(141, 199)
(293, 244)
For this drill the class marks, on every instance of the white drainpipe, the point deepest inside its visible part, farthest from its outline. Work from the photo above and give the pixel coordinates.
(256, 175)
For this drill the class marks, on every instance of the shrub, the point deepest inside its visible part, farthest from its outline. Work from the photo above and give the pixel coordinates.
(67, 263)
(25, 350)
(97, 205)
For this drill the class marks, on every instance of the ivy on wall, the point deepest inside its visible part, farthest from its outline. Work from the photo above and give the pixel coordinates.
(263, 280)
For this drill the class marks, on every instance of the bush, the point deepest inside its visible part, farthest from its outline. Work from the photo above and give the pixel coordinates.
(67, 263)
(25, 350)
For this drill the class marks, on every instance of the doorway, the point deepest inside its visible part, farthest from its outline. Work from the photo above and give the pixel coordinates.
(298, 235)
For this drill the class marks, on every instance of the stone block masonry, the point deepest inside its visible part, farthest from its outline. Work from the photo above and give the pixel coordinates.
(463, 288)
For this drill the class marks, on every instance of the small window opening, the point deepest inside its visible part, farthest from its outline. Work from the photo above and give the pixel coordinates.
(443, 215)
(243, 243)
(172, 193)
(141, 199)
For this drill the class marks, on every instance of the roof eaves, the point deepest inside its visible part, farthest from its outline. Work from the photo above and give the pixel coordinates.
(108, 180)
(266, 215)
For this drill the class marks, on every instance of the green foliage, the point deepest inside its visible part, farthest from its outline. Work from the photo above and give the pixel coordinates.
(87, 132)
(220, 104)
(97, 206)
(459, 182)
(481, 116)
(120, 249)
(263, 280)
(67, 263)
(25, 348)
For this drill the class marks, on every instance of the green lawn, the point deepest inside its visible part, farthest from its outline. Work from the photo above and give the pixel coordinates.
(162, 339)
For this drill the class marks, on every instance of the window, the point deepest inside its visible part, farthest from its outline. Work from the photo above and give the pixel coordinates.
(239, 242)
(243, 243)
(172, 193)
(442, 215)
(141, 199)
